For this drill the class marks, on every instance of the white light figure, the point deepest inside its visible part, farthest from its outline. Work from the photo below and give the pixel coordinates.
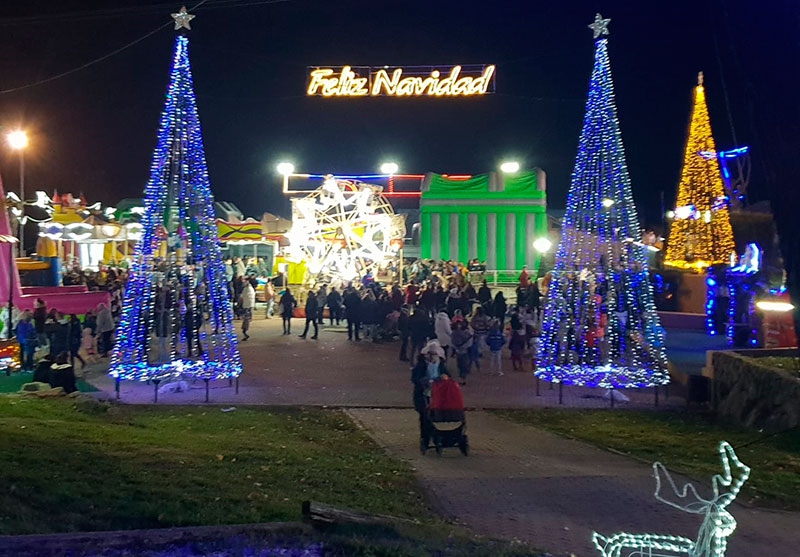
(718, 523)
(343, 230)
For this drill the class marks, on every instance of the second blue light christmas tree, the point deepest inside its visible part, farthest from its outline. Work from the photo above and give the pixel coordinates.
(176, 316)
(600, 327)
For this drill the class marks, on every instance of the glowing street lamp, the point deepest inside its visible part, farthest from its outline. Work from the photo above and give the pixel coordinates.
(542, 245)
(286, 169)
(389, 168)
(18, 140)
(509, 167)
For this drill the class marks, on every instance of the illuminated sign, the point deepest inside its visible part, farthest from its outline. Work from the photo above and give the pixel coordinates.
(365, 81)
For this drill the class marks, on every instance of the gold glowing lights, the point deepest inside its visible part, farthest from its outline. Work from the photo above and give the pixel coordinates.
(457, 81)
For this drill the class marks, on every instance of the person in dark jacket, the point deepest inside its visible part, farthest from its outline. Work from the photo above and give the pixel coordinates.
(419, 328)
(62, 374)
(312, 313)
(75, 339)
(499, 309)
(335, 305)
(402, 327)
(56, 330)
(485, 298)
(287, 305)
(421, 381)
(352, 304)
(39, 320)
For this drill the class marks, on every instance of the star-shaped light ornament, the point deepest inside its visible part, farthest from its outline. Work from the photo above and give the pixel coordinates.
(182, 19)
(600, 26)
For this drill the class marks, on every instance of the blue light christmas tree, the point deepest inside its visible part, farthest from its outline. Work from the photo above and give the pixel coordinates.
(600, 327)
(176, 316)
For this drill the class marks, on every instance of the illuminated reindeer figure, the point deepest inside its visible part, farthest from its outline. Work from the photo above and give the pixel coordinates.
(718, 524)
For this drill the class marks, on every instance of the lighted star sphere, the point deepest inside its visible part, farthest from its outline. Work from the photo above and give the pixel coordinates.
(701, 233)
(176, 317)
(343, 230)
(600, 327)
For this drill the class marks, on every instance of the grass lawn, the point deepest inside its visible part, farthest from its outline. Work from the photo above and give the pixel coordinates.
(75, 465)
(685, 443)
(12, 383)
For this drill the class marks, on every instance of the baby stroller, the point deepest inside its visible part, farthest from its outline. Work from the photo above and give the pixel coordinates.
(448, 425)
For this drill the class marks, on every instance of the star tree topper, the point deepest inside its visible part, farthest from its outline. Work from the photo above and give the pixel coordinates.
(600, 25)
(182, 19)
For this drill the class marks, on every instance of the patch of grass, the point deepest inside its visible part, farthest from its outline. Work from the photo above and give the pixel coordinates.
(76, 467)
(685, 443)
(12, 383)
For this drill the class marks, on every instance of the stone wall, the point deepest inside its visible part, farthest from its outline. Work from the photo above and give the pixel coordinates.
(752, 394)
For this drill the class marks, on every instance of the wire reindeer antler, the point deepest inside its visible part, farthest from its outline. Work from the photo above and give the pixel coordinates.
(731, 465)
(695, 504)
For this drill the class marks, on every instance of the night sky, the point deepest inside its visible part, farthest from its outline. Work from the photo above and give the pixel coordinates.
(94, 130)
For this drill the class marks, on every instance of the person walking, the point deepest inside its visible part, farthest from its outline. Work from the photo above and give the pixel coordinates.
(462, 343)
(247, 303)
(322, 299)
(27, 338)
(402, 327)
(495, 340)
(419, 330)
(443, 330)
(75, 339)
(269, 297)
(480, 327)
(105, 328)
(499, 309)
(334, 305)
(287, 305)
(352, 304)
(422, 383)
(39, 319)
(485, 298)
(312, 313)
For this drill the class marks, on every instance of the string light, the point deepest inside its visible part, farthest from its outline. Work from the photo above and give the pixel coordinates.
(177, 259)
(718, 523)
(600, 326)
(696, 243)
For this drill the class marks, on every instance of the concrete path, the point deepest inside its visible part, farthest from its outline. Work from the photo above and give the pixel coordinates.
(333, 371)
(523, 483)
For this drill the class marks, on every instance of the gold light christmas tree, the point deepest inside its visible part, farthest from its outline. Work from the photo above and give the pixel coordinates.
(701, 233)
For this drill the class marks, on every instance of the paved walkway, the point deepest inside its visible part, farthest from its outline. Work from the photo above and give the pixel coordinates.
(523, 483)
(333, 371)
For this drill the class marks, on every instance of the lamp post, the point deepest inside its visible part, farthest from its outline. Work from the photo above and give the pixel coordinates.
(391, 169)
(286, 169)
(18, 140)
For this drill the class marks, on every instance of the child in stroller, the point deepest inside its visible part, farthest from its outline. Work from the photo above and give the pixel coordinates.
(448, 425)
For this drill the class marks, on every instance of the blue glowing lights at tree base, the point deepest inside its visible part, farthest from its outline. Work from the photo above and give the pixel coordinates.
(177, 318)
(600, 326)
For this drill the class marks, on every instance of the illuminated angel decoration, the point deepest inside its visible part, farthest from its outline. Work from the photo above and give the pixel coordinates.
(343, 230)
(718, 523)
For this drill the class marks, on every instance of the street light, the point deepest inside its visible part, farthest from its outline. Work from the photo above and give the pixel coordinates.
(389, 168)
(286, 169)
(509, 167)
(542, 245)
(18, 140)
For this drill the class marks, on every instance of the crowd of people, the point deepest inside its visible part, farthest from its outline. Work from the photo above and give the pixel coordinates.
(438, 311)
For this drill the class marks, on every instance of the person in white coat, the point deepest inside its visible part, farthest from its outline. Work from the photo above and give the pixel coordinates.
(248, 303)
(442, 328)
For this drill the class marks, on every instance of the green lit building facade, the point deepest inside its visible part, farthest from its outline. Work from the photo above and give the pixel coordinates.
(493, 217)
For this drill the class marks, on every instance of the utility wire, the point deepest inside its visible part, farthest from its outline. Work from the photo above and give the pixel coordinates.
(128, 11)
(229, 4)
